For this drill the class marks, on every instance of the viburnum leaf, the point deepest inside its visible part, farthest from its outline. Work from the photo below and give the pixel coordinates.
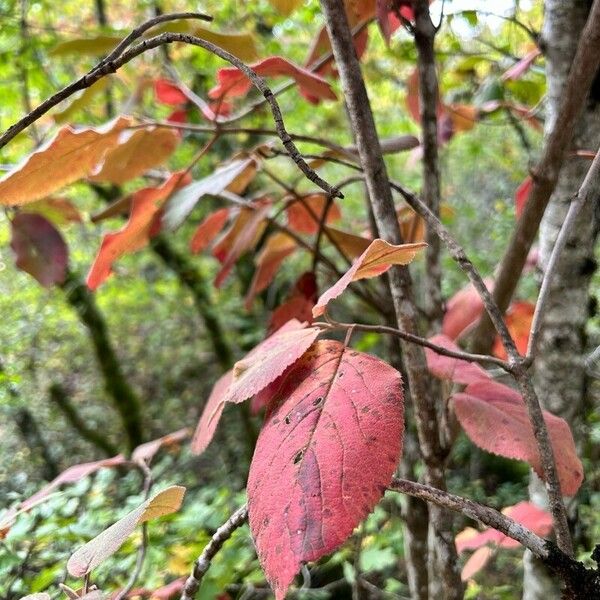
(495, 418)
(167, 92)
(298, 304)
(374, 261)
(239, 44)
(452, 369)
(97, 550)
(278, 246)
(305, 215)
(522, 195)
(182, 203)
(412, 226)
(146, 452)
(243, 235)
(463, 310)
(208, 230)
(519, 317)
(95, 46)
(58, 210)
(39, 248)
(329, 447)
(233, 83)
(80, 102)
(285, 7)
(170, 590)
(527, 514)
(351, 245)
(269, 359)
(137, 151)
(70, 155)
(211, 415)
(145, 207)
(521, 66)
(476, 562)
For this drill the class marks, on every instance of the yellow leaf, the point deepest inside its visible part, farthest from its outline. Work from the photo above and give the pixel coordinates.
(81, 102)
(285, 7)
(95, 46)
(240, 44)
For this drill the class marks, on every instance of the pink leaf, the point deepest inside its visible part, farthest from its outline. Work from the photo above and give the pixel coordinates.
(522, 195)
(146, 452)
(463, 310)
(495, 418)
(168, 92)
(269, 360)
(476, 562)
(329, 446)
(375, 260)
(211, 415)
(453, 369)
(522, 66)
(233, 83)
(39, 249)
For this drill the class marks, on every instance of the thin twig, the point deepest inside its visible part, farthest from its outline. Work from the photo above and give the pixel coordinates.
(484, 514)
(202, 564)
(586, 193)
(415, 339)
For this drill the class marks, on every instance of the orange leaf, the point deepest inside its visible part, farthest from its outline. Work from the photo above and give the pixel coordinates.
(476, 562)
(350, 244)
(207, 230)
(70, 155)
(137, 152)
(233, 83)
(518, 319)
(276, 249)
(375, 260)
(145, 206)
(305, 215)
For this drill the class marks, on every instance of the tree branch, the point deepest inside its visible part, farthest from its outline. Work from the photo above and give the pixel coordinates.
(202, 564)
(586, 193)
(545, 175)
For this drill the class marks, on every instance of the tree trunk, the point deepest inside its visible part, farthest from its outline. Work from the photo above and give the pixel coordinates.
(560, 370)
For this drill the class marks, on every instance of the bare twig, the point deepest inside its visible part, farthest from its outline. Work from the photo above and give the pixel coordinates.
(415, 339)
(484, 514)
(202, 564)
(545, 175)
(586, 193)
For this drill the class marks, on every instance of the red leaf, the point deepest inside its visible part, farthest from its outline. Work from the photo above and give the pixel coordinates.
(298, 307)
(276, 249)
(374, 261)
(522, 195)
(495, 418)
(463, 310)
(243, 234)
(178, 116)
(329, 446)
(527, 514)
(208, 230)
(453, 369)
(522, 66)
(305, 215)
(167, 92)
(39, 248)
(233, 83)
(269, 360)
(518, 319)
(145, 452)
(211, 415)
(145, 206)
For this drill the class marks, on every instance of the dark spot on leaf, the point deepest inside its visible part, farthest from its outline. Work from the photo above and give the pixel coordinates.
(298, 456)
(318, 401)
(287, 420)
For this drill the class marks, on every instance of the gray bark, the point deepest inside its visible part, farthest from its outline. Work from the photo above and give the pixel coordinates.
(560, 367)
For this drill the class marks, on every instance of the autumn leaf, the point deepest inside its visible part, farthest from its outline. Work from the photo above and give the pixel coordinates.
(145, 206)
(298, 304)
(495, 418)
(350, 244)
(97, 550)
(285, 7)
(208, 229)
(167, 92)
(463, 310)
(70, 155)
(375, 260)
(233, 83)
(137, 151)
(304, 215)
(242, 236)
(476, 562)
(269, 359)
(412, 225)
(452, 369)
(80, 102)
(39, 249)
(146, 452)
(211, 415)
(522, 195)
(239, 44)
(329, 446)
(518, 319)
(94, 46)
(521, 66)
(59, 211)
(183, 202)
(276, 249)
